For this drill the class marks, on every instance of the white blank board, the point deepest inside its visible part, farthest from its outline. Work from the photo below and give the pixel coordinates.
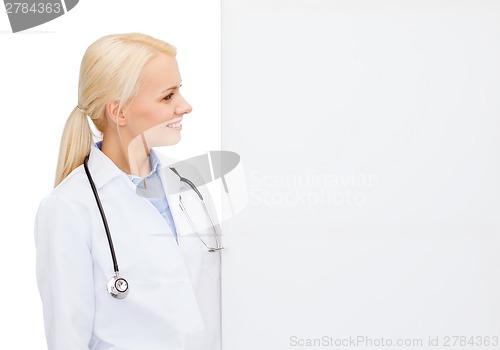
(369, 134)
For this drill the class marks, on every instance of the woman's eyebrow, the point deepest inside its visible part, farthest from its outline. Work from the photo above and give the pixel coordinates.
(172, 88)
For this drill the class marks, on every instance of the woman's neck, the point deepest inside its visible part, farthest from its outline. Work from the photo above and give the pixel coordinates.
(132, 157)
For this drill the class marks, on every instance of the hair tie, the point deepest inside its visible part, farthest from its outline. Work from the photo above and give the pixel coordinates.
(81, 110)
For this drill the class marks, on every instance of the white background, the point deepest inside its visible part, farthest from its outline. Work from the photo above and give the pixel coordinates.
(402, 93)
(38, 84)
(396, 104)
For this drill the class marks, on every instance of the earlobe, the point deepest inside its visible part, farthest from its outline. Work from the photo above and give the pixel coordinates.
(112, 108)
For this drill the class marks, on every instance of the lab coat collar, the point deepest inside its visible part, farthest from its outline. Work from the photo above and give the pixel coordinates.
(102, 168)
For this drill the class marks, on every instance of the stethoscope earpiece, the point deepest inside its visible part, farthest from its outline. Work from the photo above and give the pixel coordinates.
(118, 287)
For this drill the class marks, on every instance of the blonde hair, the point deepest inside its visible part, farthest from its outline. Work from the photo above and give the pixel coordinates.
(111, 69)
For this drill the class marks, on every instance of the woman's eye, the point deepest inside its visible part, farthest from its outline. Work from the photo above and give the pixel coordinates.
(169, 96)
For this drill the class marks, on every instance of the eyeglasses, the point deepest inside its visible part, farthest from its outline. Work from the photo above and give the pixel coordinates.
(205, 210)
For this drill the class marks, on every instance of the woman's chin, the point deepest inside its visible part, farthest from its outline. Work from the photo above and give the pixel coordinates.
(167, 142)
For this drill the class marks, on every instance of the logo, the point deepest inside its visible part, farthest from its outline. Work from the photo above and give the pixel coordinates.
(219, 173)
(31, 13)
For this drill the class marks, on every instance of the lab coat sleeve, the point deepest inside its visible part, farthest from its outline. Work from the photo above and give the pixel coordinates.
(65, 272)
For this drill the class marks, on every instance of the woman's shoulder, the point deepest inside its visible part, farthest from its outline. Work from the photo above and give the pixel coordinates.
(63, 215)
(74, 188)
(73, 184)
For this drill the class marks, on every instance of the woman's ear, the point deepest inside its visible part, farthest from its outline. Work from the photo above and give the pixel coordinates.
(112, 113)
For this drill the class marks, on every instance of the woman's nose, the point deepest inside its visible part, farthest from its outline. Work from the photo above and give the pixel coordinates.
(183, 107)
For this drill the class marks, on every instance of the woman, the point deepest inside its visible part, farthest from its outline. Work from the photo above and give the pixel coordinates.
(166, 294)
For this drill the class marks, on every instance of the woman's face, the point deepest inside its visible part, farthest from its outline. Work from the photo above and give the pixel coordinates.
(157, 111)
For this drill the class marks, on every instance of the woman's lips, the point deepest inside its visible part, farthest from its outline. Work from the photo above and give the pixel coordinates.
(175, 125)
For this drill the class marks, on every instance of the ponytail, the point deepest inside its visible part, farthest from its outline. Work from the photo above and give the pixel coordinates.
(76, 141)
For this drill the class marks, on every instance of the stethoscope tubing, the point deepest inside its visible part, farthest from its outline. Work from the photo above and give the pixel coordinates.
(195, 189)
(103, 216)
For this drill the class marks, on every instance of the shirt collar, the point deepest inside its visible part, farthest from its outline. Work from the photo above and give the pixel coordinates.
(153, 159)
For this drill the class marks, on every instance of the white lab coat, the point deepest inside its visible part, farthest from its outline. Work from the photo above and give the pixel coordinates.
(174, 289)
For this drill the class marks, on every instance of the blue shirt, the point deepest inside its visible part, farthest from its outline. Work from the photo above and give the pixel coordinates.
(151, 188)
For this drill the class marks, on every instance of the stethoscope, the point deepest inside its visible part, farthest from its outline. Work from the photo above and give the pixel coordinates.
(118, 286)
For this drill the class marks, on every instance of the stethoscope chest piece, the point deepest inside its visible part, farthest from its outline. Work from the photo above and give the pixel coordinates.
(118, 287)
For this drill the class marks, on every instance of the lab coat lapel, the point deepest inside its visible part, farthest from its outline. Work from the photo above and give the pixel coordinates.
(172, 185)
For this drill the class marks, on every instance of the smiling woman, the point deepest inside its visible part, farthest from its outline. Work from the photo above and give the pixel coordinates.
(130, 88)
(151, 119)
(118, 73)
